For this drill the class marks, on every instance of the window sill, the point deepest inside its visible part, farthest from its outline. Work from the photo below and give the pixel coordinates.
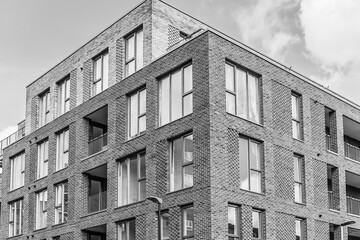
(299, 140)
(335, 153)
(93, 155)
(13, 237)
(58, 225)
(301, 204)
(61, 169)
(40, 229)
(352, 160)
(129, 204)
(179, 190)
(249, 191)
(135, 137)
(37, 180)
(353, 215)
(334, 210)
(14, 190)
(93, 213)
(247, 120)
(158, 127)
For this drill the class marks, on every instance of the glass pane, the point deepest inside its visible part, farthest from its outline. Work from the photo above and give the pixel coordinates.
(66, 140)
(122, 231)
(256, 224)
(255, 181)
(142, 124)
(241, 92)
(176, 96)
(244, 166)
(297, 167)
(254, 106)
(97, 69)
(132, 230)
(67, 105)
(232, 221)
(67, 86)
(188, 104)
(165, 221)
(188, 222)
(254, 156)
(142, 172)
(230, 103)
(188, 81)
(142, 190)
(139, 50)
(176, 168)
(298, 192)
(188, 176)
(164, 101)
(142, 104)
(296, 129)
(133, 115)
(130, 68)
(133, 180)
(229, 73)
(298, 228)
(124, 183)
(188, 142)
(130, 47)
(295, 107)
(105, 71)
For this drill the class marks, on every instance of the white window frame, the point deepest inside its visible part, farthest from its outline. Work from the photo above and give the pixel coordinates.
(299, 222)
(296, 115)
(41, 210)
(126, 224)
(235, 235)
(63, 96)
(43, 159)
(138, 95)
(261, 225)
(62, 149)
(138, 51)
(187, 223)
(299, 165)
(60, 203)
(103, 75)
(13, 218)
(17, 174)
(44, 108)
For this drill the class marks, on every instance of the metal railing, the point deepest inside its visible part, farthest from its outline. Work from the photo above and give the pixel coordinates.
(328, 142)
(353, 205)
(11, 139)
(331, 199)
(97, 202)
(352, 151)
(97, 144)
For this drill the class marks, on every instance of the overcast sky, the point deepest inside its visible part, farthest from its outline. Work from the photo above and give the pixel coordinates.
(319, 39)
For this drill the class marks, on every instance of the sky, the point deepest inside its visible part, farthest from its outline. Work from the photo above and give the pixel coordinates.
(319, 39)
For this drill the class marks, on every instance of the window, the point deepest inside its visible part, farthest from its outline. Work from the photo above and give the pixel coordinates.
(299, 229)
(165, 222)
(250, 162)
(43, 157)
(62, 150)
(132, 179)
(44, 109)
(298, 178)
(137, 113)
(126, 230)
(176, 95)
(101, 73)
(134, 52)
(61, 203)
(63, 96)
(188, 223)
(41, 209)
(181, 163)
(233, 223)
(17, 165)
(296, 115)
(242, 93)
(257, 229)
(15, 218)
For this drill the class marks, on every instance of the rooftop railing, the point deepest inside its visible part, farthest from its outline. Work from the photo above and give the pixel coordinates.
(11, 139)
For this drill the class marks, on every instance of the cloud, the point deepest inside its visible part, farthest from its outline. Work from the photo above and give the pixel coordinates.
(270, 26)
(5, 132)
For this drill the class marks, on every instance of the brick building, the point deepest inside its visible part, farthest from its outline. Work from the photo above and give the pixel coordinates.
(159, 104)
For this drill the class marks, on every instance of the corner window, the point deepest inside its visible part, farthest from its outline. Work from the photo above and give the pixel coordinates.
(17, 171)
(176, 95)
(62, 150)
(16, 218)
(298, 178)
(132, 179)
(299, 229)
(61, 203)
(242, 93)
(296, 115)
(250, 162)
(43, 157)
(126, 230)
(181, 163)
(101, 73)
(41, 209)
(233, 223)
(133, 52)
(188, 223)
(257, 224)
(63, 96)
(44, 109)
(137, 114)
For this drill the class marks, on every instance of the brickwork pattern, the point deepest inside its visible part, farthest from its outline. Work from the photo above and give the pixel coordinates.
(284, 172)
(317, 125)
(285, 222)
(320, 184)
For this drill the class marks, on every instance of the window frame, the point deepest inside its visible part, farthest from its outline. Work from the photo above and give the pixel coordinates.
(134, 59)
(60, 154)
(299, 160)
(63, 88)
(12, 218)
(41, 212)
(138, 95)
(163, 214)
(183, 224)
(301, 222)
(127, 225)
(44, 108)
(42, 159)
(62, 203)
(261, 223)
(100, 56)
(296, 121)
(20, 155)
(235, 236)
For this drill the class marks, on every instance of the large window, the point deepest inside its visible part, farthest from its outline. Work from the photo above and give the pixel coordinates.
(250, 162)
(17, 171)
(132, 179)
(43, 157)
(134, 52)
(298, 178)
(137, 113)
(165, 222)
(126, 230)
(16, 218)
(101, 73)
(61, 203)
(188, 223)
(233, 223)
(44, 109)
(62, 150)
(242, 93)
(299, 229)
(296, 115)
(41, 209)
(176, 95)
(257, 224)
(181, 163)
(63, 96)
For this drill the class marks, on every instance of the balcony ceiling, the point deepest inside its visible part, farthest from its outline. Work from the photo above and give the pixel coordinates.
(99, 116)
(98, 172)
(97, 229)
(351, 128)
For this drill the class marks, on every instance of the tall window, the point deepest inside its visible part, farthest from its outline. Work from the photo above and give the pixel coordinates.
(233, 223)
(16, 218)
(250, 162)
(101, 73)
(242, 93)
(43, 157)
(257, 224)
(165, 222)
(188, 223)
(44, 109)
(296, 115)
(61, 203)
(181, 163)
(134, 52)
(63, 96)
(298, 178)
(176, 95)
(126, 230)
(299, 229)
(137, 113)
(132, 179)
(62, 150)
(41, 209)
(17, 171)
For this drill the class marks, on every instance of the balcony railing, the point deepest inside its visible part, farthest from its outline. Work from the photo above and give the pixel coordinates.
(97, 202)
(97, 144)
(11, 139)
(331, 199)
(328, 141)
(353, 205)
(352, 152)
